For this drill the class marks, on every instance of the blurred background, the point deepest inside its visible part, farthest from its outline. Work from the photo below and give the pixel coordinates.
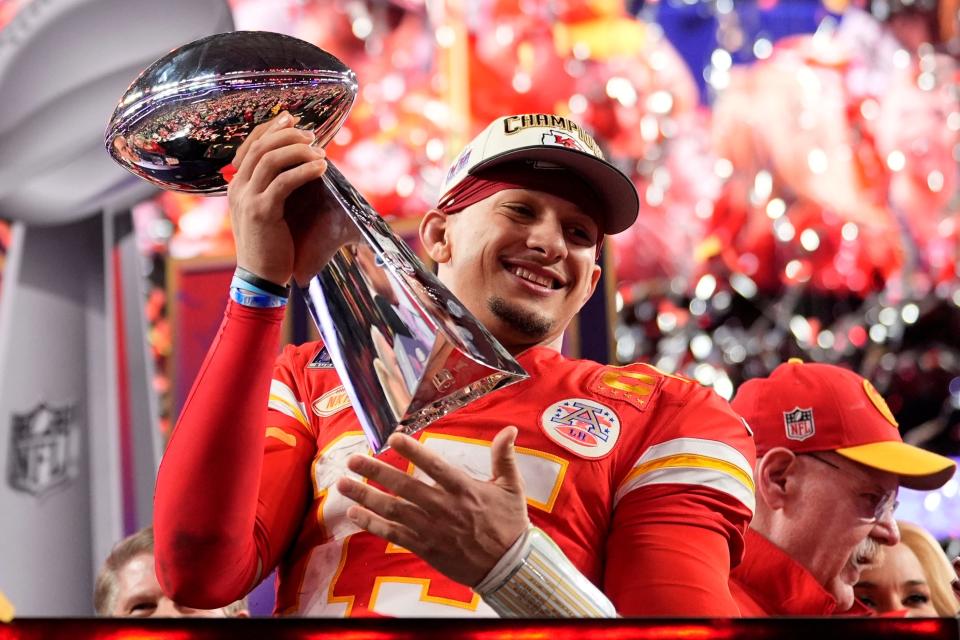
(798, 163)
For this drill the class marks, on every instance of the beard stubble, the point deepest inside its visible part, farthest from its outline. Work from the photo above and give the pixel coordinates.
(530, 323)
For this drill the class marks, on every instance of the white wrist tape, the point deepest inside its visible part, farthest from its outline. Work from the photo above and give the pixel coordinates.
(506, 565)
(534, 579)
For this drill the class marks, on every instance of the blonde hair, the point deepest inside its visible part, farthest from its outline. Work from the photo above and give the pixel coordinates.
(106, 585)
(935, 565)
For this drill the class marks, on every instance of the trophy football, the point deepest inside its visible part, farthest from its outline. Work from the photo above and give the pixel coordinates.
(407, 351)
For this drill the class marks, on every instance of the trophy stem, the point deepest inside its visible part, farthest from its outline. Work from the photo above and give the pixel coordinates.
(406, 349)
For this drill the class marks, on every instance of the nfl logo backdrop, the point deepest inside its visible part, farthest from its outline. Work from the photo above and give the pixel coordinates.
(44, 449)
(799, 423)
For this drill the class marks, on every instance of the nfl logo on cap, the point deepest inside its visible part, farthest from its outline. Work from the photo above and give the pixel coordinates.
(799, 423)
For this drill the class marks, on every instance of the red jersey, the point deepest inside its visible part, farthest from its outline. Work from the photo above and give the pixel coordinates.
(642, 478)
(770, 583)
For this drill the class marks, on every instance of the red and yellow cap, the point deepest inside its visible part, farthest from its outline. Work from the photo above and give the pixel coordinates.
(808, 407)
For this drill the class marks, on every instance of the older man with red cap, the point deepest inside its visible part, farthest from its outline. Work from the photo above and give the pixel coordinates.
(830, 463)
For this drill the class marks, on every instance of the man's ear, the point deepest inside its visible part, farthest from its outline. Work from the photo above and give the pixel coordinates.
(776, 477)
(594, 279)
(434, 236)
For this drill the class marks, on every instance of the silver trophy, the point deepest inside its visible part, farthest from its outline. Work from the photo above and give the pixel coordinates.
(407, 351)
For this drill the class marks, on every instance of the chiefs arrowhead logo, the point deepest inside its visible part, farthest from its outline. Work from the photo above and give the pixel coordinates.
(561, 139)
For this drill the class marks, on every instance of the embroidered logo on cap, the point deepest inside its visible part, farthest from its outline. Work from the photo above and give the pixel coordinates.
(879, 403)
(561, 139)
(584, 427)
(799, 424)
(458, 164)
(556, 124)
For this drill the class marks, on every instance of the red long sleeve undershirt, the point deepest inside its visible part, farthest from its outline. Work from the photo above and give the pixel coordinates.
(208, 484)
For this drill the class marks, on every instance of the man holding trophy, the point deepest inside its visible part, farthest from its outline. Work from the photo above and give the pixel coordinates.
(641, 478)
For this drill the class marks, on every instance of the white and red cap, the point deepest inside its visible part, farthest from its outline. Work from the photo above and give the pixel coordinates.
(548, 141)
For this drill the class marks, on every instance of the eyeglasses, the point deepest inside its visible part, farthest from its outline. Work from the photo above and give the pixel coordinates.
(875, 504)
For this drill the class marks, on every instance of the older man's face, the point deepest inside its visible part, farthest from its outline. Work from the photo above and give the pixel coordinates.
(139, 594)
(838, 532)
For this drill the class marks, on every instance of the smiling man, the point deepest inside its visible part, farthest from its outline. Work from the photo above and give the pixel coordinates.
(830, 463)
(641, 478)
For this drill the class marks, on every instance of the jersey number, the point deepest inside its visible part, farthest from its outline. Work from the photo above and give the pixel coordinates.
(406, 595)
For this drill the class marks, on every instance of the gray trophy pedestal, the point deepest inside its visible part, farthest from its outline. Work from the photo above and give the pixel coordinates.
(78, 457)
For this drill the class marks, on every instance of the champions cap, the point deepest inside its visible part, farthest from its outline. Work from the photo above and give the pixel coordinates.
(809, 407)
(548, 142)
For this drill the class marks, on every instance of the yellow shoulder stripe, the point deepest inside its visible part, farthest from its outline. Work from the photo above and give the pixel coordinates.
(688, 460)
(281, 435)
(285, 406)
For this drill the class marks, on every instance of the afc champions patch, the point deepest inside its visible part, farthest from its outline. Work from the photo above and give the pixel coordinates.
(584, 427)
(799, 424)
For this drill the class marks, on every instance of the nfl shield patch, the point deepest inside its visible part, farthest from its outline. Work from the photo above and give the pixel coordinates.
(322, 360)
(44, 449)
(799, 423)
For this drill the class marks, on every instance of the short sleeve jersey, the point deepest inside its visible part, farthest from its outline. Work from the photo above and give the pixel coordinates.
(592, 440)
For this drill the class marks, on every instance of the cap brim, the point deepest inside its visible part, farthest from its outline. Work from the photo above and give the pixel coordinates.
(917, 468)
(620, 201)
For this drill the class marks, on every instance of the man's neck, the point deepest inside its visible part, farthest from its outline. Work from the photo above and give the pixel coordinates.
(555, 343)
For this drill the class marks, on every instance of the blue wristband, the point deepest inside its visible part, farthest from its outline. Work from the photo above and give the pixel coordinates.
(240, 283)
(257, 300)
(261, 284)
